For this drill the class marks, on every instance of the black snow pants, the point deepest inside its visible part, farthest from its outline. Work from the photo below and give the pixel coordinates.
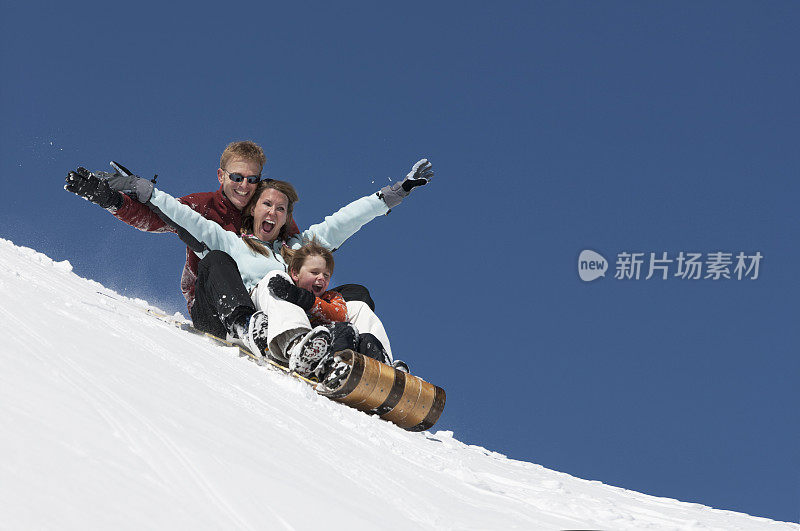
(220, 298)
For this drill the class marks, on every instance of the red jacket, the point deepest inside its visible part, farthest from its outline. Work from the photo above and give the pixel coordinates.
(329, 308)
(211, 205)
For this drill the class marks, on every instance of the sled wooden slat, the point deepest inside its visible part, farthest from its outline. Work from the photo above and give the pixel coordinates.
(435, 412)
(407, 402)
(367, 384)
(395, 394)
(382, 386)
(427, 393)
(403, 399)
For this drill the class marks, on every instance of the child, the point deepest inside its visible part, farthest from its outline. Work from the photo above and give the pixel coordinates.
(353, 324)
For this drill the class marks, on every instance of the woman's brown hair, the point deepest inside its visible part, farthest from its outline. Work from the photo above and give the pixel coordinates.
(247, 213)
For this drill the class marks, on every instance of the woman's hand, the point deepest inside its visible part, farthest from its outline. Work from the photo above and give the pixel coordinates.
(420, 174)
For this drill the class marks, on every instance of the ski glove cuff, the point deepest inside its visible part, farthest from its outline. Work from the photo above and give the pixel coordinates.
(283, 289)
(136, 187)
(89, 186)
(419, 175)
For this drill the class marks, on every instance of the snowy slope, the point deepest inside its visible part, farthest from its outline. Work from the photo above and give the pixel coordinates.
(111, 418)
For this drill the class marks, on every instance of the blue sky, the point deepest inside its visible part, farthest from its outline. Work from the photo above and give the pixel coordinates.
(553, 127)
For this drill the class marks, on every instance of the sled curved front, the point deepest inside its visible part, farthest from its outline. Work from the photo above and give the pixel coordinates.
(403, 399)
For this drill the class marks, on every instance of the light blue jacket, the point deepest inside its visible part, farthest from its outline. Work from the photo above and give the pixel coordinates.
(331, 233)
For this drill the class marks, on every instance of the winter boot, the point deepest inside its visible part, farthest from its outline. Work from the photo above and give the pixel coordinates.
(369, 345)
(335, 373)
(309, 351)
(400, 365)
(252, 331)
(345, 336)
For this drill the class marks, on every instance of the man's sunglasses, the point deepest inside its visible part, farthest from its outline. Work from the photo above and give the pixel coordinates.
(238, 177)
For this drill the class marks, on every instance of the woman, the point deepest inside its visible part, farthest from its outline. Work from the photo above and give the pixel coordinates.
(233, 277)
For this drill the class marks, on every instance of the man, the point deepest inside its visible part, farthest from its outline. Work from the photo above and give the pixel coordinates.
(238, 174)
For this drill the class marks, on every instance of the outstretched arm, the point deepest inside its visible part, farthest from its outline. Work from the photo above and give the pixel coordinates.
(338, 227)
(139, 216)
(101, 189)
(197, 232)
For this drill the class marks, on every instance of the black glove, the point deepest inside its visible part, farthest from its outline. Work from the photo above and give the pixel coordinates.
(283, 289)
(87, 185)
(419, 175)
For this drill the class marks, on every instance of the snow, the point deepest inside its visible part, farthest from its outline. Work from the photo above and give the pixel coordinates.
(111, 418)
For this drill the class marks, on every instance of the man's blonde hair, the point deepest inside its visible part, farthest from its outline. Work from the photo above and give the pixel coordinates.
(246, 150)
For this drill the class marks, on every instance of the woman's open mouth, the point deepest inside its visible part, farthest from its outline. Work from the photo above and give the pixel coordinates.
(267, 226)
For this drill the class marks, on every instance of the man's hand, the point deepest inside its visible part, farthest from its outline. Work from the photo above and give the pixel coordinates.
(283, 289)
(87, 185)
(419, 175)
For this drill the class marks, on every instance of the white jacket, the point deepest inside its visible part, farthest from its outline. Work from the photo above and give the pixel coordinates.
(330, 233)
